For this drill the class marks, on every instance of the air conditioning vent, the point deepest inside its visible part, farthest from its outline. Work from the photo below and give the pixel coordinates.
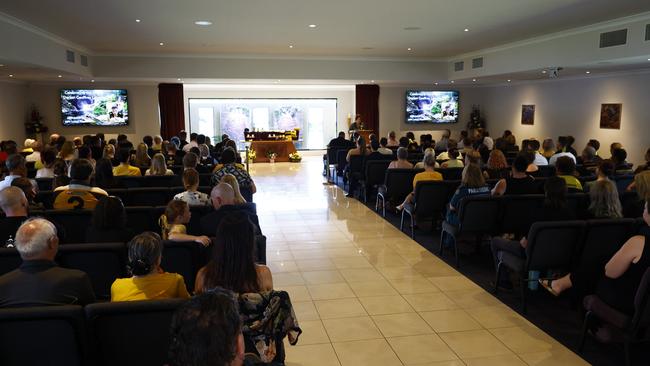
(84, 60)
(459, 66)
(477, 62)
(647, 32)
(69, 56)
(613, 38)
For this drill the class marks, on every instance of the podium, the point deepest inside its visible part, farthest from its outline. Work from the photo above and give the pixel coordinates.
(365, 134)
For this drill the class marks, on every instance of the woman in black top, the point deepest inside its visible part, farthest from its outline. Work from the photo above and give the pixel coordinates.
(109, 222)
(519, 182)
(104, 175)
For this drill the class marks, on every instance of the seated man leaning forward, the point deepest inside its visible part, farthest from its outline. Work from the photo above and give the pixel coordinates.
(223, 201)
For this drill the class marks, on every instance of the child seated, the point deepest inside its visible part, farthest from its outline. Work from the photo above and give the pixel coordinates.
(172, 223)
(191, 195)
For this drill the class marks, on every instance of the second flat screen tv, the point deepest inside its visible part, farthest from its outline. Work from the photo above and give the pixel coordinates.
(424, 106)
(94, 107)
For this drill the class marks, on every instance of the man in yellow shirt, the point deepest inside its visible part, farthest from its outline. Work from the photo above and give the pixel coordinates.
(428, 174)
(123, 156)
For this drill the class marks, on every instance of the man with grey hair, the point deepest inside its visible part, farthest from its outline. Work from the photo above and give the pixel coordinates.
(16, 166)
(223, 202)
(14, 204)
(39, 281)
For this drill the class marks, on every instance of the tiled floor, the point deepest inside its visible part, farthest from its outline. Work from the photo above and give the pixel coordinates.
(366, 294)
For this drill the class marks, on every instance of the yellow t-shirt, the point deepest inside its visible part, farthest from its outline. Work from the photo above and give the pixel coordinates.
(571, 182)
(424, 176)
(154, 286)
(126, 170)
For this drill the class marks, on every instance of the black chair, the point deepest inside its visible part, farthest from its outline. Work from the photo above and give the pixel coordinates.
(451, 173)
(341, 156)
(204, 179)
(246, 193)
(9, 260)
(132, 332)
(74, 223)
(631, 203)
(374, 173)
(354, 172)
(161, 181)
(46, 198)
(44, 184)
(129, 181)
(331, 160)
(49, 335)
(429, 202)
(398, 183)
(551, 245)
(148, 196)
(144, 218)
(623, 181)
(518, 213)
(183, 258)
(103, 262)
(625, 328)
(546, 170)
(477, 215)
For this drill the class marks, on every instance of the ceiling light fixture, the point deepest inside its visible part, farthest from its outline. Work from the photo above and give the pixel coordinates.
(279, 80)
(543, 71)
(59, 76)
(466, 30)
(587, 72)
(290, 46)
(203, 23)
(312, 26)
(409, 49)
(179, 79)
(11, 75)
(473, 79)
(452, 81)
(372, 81)
(92, 81)
(161, 43)
(509, 80)
(435, 83)
(137, 20)
(1, 65)
(649, 59)
(411, 28)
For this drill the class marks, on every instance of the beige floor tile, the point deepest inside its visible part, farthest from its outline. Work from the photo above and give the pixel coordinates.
(361, 275)
(308, 254)
(381, 305)
(397, 325)
(387, 261)
(392, 273)
(430, 301)
(421, 349)
(339, 308)
(413, 285)
(375, 288)
(474, 343)
(313, 332)
(468, 299)
(450, 321)
(366, 353)
(453, 283)
(311, 355)
(524, 339)
(560, 356)
(315, 264)
(283, 266)
(441, 363)
(498, 316)
(278, 255)
(297, 293)
(322, 277)
(305, 310)
(287, 279)
(330, 291)
(351, 329)
(351, 262)
(502, 360)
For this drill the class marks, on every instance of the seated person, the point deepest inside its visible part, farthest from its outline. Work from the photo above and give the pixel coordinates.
(497, 165)
(539, 160)
(108, 224)
(621, 166)
(603, 201)
(645, 166)
(374, 152)
(233, 262)
(420, 164)
(359, 150)
(207, 330)
(223, 202)
(238, 198)
(174, 156)
(16, 166)
(383, 149)
(588, 157)
(401, 162)
(39, 281)
(622, 277)
(548, 148)
(444, 156)
(191, 195)
(428, 174)
(30, 191)
(48, 157)
(392, 140)
(158, 166)
(518, 182)
(472, 184)
(562, 145)
(473, 157)
(191, 160)
(15, 207)
(104, 177)
(565, 168)
(142, 158)
(605, 170)
(157, 144)
(172, 223)
(125, 168)
(453, 161)
(61, 177)
(148, 281)
(229, 166)
(78, 194)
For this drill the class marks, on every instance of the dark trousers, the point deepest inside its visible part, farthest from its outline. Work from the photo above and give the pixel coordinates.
(500, 245)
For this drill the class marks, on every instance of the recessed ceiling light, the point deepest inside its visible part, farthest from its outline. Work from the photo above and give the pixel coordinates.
(411, 28)
(372, 48)
(452, 81)
(137, 20)
(509, 80)
(543, 71)
(92, 81)
(587, 72)
(312, 26)
(649, 59)
(279, 80)
(59, 76)
(203, 22)
(179, 79)
(435, 83)
(290, 46)
(1, 65)
(11, 75)
(473, 79)
(161, 43)
(466, 30)
(372, 81)
(409, 49)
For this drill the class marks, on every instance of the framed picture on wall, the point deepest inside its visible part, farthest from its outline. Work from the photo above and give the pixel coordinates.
(527, 114)
(610, 115)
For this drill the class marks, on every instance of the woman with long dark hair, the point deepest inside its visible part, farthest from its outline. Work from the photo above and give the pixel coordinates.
(233, 260)
(108, 224)
(104, 174)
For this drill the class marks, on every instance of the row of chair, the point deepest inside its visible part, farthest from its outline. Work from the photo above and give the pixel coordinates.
(45, 184)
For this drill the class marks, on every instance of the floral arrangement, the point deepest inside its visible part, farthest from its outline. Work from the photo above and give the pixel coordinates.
(35, 123)
(271, 154)
(294, 157)
(252, 155)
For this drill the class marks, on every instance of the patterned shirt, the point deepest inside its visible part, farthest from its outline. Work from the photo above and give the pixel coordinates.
(242, 176)
(194, 198)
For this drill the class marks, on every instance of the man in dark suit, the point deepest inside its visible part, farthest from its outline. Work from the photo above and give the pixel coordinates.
(223, 201)
(39, 280)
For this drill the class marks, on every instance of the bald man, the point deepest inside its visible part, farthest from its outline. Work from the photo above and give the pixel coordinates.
(39, 281)
(14, 204)
(223, 202)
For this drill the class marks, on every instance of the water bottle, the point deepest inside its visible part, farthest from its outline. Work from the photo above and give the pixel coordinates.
(533, 280)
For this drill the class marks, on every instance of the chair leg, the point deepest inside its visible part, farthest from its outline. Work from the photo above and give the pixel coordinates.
(626, 349)
(401, 222)
(412, 227)
(496, 279)
(585, 327)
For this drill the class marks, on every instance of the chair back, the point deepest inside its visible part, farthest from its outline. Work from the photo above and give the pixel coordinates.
(604, 237)
(553, 245)
(144, 218)
(431, 198)
(103, 262)
(132, 332)
(332, 155)
(246, 193)
(44, 184)
(375, 171)
(479, 214)
(34, 336)
(519, 211)
(641, 317)
(632, 204)
(9, 260)
(623, 181)
(161, 181)
(128, 181)
(341, 161)
(399, 183)
(148, 196)
(451, 173)
(356, 164)
(73, 222)
(546, 170)
(183, 258)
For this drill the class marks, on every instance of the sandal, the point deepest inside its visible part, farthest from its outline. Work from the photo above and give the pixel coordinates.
(547, 285)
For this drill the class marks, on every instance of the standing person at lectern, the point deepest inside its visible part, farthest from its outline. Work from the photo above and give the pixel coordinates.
(357, 124)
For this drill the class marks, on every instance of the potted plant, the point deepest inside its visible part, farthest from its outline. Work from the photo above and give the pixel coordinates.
(252, 155)
(294, 157)
(271, 155)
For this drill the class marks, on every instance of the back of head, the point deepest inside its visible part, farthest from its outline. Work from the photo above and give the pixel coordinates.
(81, 169)
(144, 252)
(606, 168)
(548, 145)
(472, 176)
(158, 165)
(10, 147)
(410, 135)
(48, 155)
(175, 209)
(619, 155)
(205, 330)
(228, 156)
(403, 141)
(123, 155)
(429, 160)
(232, 181)
(193, 136)
(15, 163)
(200, 139)
(642, 183)
(148, 140)
(392, 135)
(604, 201)
(520, 164)
(190, 160)
(565, 165)
(223, 193)
(402, 153)
(103, 173)
(182, 135)
(594, 143)
(34, 237)
(555, 191)
(190, 178)
(453, 153)
(12, 199)
(383, 142)
(84, 152)
(533, 145)
(109, 214)
(26, 186)
(374, 145)
(588, 153)
(341, 135)
(473, 157)
(452, 144)
(497, 160)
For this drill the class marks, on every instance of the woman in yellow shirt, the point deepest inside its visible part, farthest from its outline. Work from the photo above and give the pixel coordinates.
(148, 281)
(124, 155)
(428, 174)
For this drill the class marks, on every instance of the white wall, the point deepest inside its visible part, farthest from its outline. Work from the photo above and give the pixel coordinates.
(344, 95)
(144, 118)
(572, 107)
(13, 111)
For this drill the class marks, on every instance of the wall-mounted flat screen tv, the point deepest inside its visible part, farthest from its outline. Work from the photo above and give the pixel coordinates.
(424, 106)
(94, 107)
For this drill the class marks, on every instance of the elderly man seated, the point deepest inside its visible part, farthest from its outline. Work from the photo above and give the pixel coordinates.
(223, 201)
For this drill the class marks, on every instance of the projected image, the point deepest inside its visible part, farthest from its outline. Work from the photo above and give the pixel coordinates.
(94, 107)
(431, 106)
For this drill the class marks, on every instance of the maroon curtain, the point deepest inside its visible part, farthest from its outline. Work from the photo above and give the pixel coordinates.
(368, 106)
(172, 109)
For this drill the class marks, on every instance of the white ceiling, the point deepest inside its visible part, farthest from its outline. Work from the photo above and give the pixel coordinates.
(344, 27)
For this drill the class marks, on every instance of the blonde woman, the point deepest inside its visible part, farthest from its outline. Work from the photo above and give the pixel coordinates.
(67, 151)
(109, 152)
(230, 179)
(142, 158)
(605, 203)
(158, 166)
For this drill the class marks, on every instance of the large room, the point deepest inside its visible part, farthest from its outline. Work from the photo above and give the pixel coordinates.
(342, 183)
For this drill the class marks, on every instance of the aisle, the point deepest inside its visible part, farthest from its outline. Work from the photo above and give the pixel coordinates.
(366, 294)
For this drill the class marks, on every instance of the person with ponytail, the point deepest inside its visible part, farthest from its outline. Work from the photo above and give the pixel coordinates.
(148, 281)
(172, 223)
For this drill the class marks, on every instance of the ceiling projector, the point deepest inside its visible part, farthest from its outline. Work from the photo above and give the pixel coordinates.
(553, 72)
